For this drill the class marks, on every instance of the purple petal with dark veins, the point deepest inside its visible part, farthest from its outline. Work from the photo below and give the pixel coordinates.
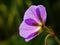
(26, 30)
(31, 36)
(42, 11)
(31, 22)
(38, 14)
(31, 14)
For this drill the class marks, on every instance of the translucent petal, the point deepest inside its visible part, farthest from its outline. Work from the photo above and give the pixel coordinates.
(42, 12)
(31, 13)
(26, 30)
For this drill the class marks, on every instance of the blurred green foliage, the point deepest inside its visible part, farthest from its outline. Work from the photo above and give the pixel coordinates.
(11, 15)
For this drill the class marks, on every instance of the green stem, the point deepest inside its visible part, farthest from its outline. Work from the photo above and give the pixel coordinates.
(46, 38)
(50, 31)
(57, 40)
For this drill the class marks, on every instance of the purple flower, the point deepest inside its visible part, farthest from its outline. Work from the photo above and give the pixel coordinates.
(31, 24)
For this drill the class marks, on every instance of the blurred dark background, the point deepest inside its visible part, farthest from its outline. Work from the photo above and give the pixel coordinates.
(11, 15)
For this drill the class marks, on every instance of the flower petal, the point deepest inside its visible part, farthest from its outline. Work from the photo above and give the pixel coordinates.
(31, 13)
(26, 30)
(31, 22)
(32, 36)
(43, 13)
(34, 12)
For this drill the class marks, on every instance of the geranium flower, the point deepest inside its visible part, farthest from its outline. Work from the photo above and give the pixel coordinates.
(31, 24)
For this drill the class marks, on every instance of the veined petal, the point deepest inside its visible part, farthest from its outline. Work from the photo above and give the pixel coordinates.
(32, 36)
(31, 13)
(26, 30)
(31, 22)
(42, 11)
(34, 12)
